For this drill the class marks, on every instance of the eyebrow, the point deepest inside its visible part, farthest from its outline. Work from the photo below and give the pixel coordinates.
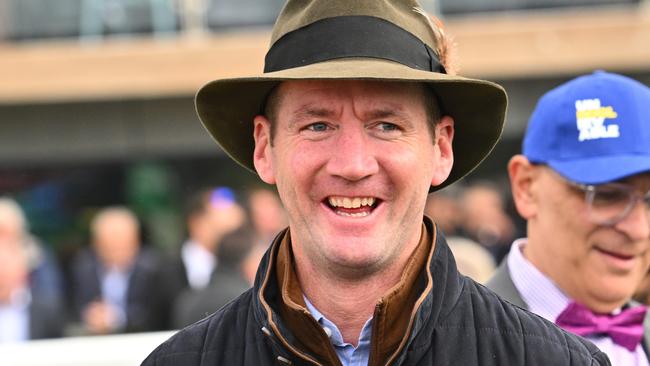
(390, 114)
(385, 113)
(310, 111)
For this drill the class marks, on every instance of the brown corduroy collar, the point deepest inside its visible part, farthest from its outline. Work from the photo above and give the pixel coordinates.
(392, 316)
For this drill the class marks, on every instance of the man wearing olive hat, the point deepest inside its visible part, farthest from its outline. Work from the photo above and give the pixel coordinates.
(583, 185)
(355, 120)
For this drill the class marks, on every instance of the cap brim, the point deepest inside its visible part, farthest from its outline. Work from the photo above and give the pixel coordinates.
(227, 107)
(602, 169)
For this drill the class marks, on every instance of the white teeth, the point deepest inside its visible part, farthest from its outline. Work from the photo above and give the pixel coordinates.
(347, 202)
(359, 214)
(356, 202)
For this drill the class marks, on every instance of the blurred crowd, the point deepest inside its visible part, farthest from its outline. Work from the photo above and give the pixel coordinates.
(118, 284)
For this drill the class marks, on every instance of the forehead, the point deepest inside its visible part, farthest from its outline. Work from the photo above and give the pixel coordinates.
(115, 221)
(297, 93)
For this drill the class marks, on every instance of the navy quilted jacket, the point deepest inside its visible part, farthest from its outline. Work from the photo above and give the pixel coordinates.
(460, 322)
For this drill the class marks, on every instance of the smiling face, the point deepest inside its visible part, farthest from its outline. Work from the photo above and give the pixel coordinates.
(597, 265)
(353, 162)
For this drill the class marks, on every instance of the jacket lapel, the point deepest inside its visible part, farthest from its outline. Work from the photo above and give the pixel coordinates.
(502, 284)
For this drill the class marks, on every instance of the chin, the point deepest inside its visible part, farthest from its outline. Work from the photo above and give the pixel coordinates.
(364, 261)
(614, 292)
(357, 270)
(356, 258)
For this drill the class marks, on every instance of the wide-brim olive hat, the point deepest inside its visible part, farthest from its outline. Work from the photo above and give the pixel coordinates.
(383, 40)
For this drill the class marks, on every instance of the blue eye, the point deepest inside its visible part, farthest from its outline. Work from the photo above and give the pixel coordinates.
(317, 127)
(385, 126)
(386, 130)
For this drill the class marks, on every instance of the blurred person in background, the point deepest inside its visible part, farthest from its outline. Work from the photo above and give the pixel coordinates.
(116, 282)
(444, 209)
(211, 214)
(484, 219)
(583, 185)
(252, 262)
(472, 259)
(267, 215)
(24, 313)
(227, 282)
(44, 272)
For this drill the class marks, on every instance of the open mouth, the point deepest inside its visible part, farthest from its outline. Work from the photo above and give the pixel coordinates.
(352, 206)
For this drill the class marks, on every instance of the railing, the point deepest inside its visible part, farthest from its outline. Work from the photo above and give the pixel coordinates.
(95, 19)
(112, 350)
(91, 20)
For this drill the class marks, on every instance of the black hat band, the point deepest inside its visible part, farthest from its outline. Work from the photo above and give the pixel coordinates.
(350, 36)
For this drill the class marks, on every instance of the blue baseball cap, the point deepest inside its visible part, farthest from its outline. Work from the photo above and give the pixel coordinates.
(593, 129)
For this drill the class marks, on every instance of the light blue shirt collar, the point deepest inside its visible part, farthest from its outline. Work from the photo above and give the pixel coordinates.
(348, 354)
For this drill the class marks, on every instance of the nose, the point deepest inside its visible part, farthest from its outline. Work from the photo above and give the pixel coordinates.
(353, 157)
(637, 223)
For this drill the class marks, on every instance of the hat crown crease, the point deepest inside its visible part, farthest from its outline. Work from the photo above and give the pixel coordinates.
(299, 13)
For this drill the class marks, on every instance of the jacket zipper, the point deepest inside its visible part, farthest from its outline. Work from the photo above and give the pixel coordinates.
(270, 317)
(419, 302)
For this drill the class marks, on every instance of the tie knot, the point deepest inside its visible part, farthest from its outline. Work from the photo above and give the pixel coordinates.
(624, 328)
(602, 327)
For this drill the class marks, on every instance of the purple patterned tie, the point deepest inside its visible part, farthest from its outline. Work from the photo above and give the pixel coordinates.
(625, 328)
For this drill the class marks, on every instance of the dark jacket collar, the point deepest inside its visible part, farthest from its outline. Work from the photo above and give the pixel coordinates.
(438, 288)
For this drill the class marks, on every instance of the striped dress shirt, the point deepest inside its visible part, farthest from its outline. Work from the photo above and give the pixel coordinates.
(544, 298)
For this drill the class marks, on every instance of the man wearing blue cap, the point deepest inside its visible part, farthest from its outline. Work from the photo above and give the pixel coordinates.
(583, 185)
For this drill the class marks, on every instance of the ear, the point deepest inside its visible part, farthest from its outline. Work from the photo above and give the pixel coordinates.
(444, 160)
(522, 175)
(263, 154)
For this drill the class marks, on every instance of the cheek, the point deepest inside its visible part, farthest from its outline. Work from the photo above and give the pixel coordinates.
(565, 225)
(293, 151)
(412, 166)
(644, 262)
(294, 170)
(558, 211)
(305, 159)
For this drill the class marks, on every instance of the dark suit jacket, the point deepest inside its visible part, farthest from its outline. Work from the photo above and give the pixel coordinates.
(174, 276)
(502, 284)
(145, 303)
(192, 305)
(45, 317)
